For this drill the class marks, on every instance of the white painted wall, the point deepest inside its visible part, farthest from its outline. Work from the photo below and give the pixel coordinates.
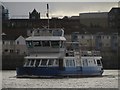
(21, 40)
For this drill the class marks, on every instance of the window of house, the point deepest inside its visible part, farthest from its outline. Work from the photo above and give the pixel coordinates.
(11, 42)
(99, 37)
(17, 42)
(6, 50)
(82, 36)
(11, 50)
(3, 42)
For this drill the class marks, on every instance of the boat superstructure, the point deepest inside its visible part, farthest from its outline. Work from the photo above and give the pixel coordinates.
(48, 56)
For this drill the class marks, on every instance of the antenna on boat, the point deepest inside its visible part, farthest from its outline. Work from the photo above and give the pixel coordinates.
(48, 14)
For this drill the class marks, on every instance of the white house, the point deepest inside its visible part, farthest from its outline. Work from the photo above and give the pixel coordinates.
(13, 45)
(20, 45)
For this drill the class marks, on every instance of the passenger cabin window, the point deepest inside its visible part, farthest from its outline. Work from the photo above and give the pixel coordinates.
(56, 62)
(41, 62)
(32, 63)
(85, 62)
(62, 44)
(70, 63)
(55, 44)
(94, 61)
(44, 62)
(28, 62)
(98, 62)
(37, 63)
(45, 43)
(51, 62)
(37, 43)
(29, 44)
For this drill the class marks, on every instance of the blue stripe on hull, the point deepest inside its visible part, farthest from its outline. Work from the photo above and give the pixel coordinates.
(55, 71)
(38, 71)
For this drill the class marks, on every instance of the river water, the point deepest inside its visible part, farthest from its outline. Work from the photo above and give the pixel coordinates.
(108, 80)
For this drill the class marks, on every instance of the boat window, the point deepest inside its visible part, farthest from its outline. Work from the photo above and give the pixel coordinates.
(46, 43)
(62, 44)
(51, 62)
(29, 43)
(28, 62)
(44, 62)
(37, 43)
(32, 62)
(57, 62)
(55, 44)
(70, 63)
(98, 63)
(94, 61)
(37, 62)
(85, 62)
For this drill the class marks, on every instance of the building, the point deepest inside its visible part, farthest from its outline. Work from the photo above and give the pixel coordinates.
(74, 38)
(94, 19)
(115, 41)
(34, 15)
(114, 18)
(99, 41)
(5, 13)
(103, 41)
(13, 45)
(87, 41)
(20, 45)
(8, 44)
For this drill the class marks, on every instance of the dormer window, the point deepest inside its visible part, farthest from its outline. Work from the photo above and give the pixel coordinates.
(17, 42)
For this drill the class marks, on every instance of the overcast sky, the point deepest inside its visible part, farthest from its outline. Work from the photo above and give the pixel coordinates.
(57, 9)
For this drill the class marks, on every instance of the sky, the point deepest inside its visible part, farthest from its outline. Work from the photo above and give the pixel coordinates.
(57, 9)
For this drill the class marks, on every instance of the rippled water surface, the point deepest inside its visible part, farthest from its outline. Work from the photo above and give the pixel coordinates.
(109, 80)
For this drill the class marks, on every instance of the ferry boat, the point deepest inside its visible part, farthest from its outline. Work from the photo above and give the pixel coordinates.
(48, 56)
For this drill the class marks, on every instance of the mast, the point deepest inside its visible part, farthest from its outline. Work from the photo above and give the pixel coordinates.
(48, 14)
